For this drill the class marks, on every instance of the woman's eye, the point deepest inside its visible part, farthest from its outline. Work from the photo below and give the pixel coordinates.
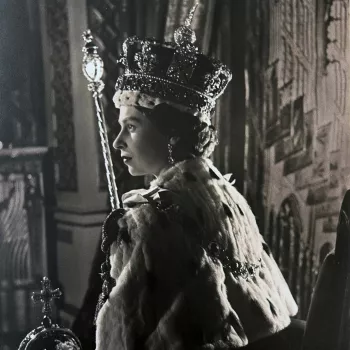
(131, 127)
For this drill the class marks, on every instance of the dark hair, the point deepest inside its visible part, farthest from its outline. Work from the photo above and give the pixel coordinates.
(195, 138)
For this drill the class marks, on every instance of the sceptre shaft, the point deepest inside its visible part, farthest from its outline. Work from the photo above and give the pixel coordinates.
(93, 71)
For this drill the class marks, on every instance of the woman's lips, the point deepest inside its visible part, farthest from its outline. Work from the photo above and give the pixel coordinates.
(126, 159)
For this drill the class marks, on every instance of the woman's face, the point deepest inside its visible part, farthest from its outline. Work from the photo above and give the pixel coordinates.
(144, 147)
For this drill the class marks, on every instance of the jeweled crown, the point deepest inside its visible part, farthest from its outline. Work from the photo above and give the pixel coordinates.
(176, 72)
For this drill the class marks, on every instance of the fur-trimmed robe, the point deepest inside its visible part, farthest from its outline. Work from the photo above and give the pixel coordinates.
(173, 290)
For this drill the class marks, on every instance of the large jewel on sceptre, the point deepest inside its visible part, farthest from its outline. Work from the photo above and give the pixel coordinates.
(92, 64)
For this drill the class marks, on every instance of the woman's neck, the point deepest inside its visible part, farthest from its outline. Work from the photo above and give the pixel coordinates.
(162, 170)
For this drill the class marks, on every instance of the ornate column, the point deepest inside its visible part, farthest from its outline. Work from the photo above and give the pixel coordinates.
(81, 201)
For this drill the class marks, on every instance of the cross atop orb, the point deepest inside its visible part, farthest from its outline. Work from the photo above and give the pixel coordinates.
(46, 295)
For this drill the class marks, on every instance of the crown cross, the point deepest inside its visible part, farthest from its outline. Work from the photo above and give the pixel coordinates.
(185, 58)
(46, 295)
(189, 18)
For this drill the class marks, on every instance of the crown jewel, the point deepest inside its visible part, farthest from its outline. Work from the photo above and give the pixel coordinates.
(175, 72)
(185, 34)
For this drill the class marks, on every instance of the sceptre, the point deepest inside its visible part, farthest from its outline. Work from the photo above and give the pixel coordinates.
(93, 71)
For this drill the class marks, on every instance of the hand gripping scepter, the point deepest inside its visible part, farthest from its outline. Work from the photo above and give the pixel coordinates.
(93, 71)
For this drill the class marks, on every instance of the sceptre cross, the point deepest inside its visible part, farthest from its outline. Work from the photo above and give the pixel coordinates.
(46, 295)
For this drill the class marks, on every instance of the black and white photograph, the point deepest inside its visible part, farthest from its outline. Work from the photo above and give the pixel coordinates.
(174, 174)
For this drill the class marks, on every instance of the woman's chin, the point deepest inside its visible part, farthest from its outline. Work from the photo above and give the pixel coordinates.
(135, 172)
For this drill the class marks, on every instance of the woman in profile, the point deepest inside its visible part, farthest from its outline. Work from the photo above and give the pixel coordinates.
(190, 269)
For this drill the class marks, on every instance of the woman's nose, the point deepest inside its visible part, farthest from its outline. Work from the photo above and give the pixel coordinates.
(118, 142)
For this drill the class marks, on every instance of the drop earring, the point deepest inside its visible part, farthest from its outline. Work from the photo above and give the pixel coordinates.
(170, 154)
